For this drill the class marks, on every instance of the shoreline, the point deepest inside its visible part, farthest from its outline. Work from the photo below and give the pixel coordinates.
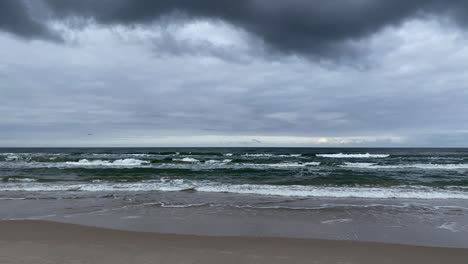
(34, 241)
(425, 223)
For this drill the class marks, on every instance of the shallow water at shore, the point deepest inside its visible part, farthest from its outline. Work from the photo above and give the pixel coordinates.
(418, 222)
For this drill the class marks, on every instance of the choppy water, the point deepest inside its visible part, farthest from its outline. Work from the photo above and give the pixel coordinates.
(299, 172)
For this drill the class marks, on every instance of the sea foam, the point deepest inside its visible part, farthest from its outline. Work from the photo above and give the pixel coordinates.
(187, 159)
(341, 155)
(403, 192)
(428, 166)
(119, 162)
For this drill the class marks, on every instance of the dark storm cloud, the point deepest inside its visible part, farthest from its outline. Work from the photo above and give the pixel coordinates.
(307, 27)
(15, 18)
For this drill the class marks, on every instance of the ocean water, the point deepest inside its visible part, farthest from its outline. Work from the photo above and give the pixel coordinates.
(286, 172)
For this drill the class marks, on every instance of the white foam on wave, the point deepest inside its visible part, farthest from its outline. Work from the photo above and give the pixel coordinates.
(361, 165)
(282, 165)
(21, 180)
(132, 163)
(262, 155)
(119, 162)
(96, 187)
(218, 161)
(11, 157)
(8, 153)
(290, 156)
(138, 155)
(32, 154)
(338, 192)
(428, 166)
(257, 155)
(319, 207)
(295, 164)
(187, 159)
(341, 155)
(212, 161)
(166, 180)
(129, 162)
(105, 155)
(401, 192)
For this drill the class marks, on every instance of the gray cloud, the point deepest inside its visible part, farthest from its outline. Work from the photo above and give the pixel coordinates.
(15, 18)
(111, 85)
(313, 28)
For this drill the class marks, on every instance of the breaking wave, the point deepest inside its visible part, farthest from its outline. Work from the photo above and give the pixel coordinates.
(266, 155)
(341, 155)
(429, 166)
(187, 160)
(119, 162)
(404, 192)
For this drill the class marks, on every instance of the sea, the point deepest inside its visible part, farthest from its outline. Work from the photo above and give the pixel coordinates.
(289, 172)
(402, 195)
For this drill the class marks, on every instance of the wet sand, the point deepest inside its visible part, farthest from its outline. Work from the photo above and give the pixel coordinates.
(26, 241)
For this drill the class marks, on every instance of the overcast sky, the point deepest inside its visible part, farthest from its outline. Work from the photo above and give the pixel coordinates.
(234, 73)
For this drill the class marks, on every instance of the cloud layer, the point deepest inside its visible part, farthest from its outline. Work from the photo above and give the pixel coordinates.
(238, 74)
(317, 29)
(15, 17)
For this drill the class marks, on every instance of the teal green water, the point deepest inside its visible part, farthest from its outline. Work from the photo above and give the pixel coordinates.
(412, 173)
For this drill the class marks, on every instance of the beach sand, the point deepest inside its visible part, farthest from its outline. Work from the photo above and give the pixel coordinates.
(27, 241)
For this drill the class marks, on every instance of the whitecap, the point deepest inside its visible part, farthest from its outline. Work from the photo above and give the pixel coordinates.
(282, 165)
(402, 192)
(119, 162)
(337, 192)
(257, 155)
(358, 165)
(11, 157)
(341, 155)
(22, 180)
(428, 166)
(218, 161)
(212, 161)
(187, 159)
(290, 156)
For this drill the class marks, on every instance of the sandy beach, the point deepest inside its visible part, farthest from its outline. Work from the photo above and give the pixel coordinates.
(48, 242)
